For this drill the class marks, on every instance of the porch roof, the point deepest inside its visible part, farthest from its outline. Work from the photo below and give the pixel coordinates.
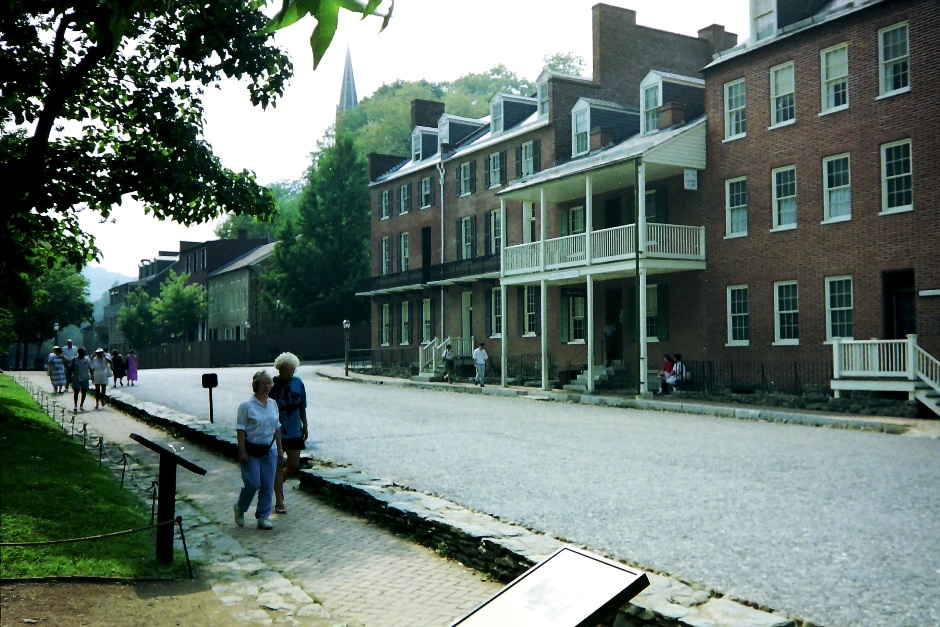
(665, 153)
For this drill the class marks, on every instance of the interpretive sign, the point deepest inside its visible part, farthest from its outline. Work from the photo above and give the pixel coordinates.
(571, 588)
(210, 380)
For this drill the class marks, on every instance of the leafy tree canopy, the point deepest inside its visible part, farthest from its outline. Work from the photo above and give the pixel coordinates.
(181, 307)
(138, 319)
(59, 295)
(287, 196)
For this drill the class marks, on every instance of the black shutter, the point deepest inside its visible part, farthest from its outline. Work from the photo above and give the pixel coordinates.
(487, 234)
(459, 238)
(662, 311)
(459, 184)
(431, 193)
(410, 196)
(520, 299)
(565, 214)
(473, 176)
(519, 162)
(538, 310)
(503, 166)
(486, 172)
(487, 314)
(411, 323)
(565, 308)
(473, 236)
(536, 155)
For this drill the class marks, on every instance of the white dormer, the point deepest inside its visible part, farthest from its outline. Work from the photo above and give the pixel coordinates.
(763, 19)
(580, 128)
(651, 98)
(496, 115)
(424, 142)
(542, 97)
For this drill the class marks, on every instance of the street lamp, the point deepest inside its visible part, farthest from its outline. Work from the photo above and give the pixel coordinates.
(248, 340)
(56, 328)
(346, 333)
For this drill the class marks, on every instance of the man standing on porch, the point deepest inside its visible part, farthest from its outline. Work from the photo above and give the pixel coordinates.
(479, 360)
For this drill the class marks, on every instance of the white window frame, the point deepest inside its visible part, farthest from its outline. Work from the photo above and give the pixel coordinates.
(385, 204)
(649, 207)
(426, 188)
(542, 94)
(529, 233)
(730, 209)
(427, 331)
(832, 310)
(782, 311)
(496, 313)
(764, 19)
(884, 76)
(387, 254)
(528, 158)
(464, 178)
(829, 191)
(404, 199)
(580, 131)
(778, 96)
(652, 313)
(404, 252)
(405, 323)
(466, 237)
(732, 316)
(735, 116)
(834, 80)
(496, 117)
(908, 174)
(530, 312)
(416, 146)
(496, 230)
(386, 324)
(576, 220)
(495, 180)
(577, 318)
(649, 111)
(780, 200)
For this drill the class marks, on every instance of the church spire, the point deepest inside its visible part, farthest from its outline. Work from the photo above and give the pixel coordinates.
(347, 95)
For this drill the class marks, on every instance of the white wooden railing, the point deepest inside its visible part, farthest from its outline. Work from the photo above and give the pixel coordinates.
(431, 353)
(884, 359)
(666, 241)
(928, 368)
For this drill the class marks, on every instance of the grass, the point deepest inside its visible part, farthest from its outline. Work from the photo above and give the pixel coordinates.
(52, 489)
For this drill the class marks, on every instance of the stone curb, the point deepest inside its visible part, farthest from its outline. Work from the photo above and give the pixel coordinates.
(475, 539)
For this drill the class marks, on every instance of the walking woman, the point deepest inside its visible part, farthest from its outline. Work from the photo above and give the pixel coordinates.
(56, 364)
(258, 429)
(100, 366)
(291, 397)
(131, 363)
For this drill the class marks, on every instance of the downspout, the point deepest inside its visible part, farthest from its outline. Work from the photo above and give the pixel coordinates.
(440, 173)
(636, 281)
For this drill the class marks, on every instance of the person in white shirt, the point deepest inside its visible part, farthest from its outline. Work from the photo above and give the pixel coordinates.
(69, 352)
(479, 360)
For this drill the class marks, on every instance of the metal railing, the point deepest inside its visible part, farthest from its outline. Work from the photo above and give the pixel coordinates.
(431, 353)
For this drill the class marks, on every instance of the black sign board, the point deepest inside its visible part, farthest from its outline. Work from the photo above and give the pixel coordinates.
(210, 380)
(571, 588)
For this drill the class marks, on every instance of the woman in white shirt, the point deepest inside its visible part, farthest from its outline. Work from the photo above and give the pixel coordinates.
(258, 429)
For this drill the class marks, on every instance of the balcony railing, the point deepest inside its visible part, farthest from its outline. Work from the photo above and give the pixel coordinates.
(664, 241)
(391, 281)
(463, 268)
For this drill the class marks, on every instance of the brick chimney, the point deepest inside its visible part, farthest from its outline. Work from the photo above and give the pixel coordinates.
(600, 137)
(671, 114)
(718, 38)
(426, 112)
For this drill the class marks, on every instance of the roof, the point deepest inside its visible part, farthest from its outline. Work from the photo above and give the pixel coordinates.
(251, 258)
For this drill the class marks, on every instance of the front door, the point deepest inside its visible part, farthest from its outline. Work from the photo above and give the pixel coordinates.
(899, 304)
(466, 315)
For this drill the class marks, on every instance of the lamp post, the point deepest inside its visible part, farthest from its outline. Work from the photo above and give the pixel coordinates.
(346, 352)
(56, 329)
(248, 340)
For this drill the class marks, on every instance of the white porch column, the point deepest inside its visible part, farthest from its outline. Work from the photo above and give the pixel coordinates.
(588, 219)
(542, 229)
(641, 278)
(590, 332)
(504, 359)
(837, 363)
(912, 357)
(543, 315)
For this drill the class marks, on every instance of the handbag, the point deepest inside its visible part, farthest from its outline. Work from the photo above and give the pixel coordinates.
(258, 450)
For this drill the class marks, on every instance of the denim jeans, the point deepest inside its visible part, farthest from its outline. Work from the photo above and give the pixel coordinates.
(258, 476)
(481, 371)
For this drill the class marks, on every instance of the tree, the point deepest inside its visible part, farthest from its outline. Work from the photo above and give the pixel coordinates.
(564, 63)
(137, 320)
(324, 252)
(180, 308)
(287, 196)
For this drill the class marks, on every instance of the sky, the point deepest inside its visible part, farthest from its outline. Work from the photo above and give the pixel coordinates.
(436, 40)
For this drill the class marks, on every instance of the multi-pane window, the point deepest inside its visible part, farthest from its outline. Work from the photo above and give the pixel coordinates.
(528, 222)
(404, 254)
(739, 333)
(416, 146)
(784, 184)
(894, 57)
(573, 220)
(530, 310)
(385, 204)
(427, 192)
(736, 207)
(574, 306)
(782, 94)
(651, 109)
(765, 19)
(897, 183)
(580, 132)
(404, 198)
(496, 117)
(386, 324)
(735, 109)
(652, 312)
(427, 320)
(496, 312)
(405, 322)
(465, 182)
(834, 71)
(839, 308)
(466, 237)
(651, 207)
(496, 231)
(837, 198)
(528, 158)
(787, 310)
(543, 99)
(386, 255)
(494, 169)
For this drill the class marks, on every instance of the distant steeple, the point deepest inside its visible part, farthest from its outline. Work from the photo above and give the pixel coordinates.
(347, 95)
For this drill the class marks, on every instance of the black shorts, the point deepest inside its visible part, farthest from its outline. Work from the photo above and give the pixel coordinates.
(293, 444)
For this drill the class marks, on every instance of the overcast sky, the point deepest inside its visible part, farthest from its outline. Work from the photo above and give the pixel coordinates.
(436, 40)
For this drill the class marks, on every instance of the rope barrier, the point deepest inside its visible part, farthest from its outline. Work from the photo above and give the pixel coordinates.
(89, 538)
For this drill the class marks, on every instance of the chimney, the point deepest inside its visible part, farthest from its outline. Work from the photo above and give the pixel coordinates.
(671, 114)
(426, 112)
(718, 38)
(600, 137)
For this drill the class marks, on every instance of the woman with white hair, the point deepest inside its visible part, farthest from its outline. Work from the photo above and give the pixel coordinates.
(258, 430)
(291, 397)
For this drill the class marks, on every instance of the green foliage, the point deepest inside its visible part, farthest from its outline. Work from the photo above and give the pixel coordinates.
(59, 294)
(181, 308)
(111, 93)
(53, 490)
(287, 196)
(564, 63)
(138, 319)
(322, 253)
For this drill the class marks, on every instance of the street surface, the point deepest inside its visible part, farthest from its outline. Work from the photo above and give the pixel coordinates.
(834, 526)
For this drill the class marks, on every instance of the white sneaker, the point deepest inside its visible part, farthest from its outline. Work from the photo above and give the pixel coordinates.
(239, 516)
(264, 523)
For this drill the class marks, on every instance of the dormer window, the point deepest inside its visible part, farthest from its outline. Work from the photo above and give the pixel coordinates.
(763, 18)
(423, 142)
(580, 129)
(543, 99)
(652, 100)
(416, 146)
(496, 116)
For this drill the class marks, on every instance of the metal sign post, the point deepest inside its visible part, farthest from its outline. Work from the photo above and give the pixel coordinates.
(210, 380)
